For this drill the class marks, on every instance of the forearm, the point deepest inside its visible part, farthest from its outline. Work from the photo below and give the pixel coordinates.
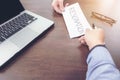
(101, 65)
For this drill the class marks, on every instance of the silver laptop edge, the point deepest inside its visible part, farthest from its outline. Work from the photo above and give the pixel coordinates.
(18, 41)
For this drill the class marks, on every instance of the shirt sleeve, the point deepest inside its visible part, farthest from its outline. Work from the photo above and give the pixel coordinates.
(101, 65)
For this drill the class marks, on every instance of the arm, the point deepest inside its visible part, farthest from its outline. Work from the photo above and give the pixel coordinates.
(100, 63)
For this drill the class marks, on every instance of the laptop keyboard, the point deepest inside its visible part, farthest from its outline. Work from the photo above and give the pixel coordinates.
(15, 25)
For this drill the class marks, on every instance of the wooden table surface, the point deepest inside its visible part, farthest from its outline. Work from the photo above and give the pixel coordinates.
(57, 57)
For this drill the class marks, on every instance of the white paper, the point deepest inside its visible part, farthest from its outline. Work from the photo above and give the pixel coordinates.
(75, 20)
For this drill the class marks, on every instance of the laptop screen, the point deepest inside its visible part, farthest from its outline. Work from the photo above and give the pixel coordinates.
(9, 9)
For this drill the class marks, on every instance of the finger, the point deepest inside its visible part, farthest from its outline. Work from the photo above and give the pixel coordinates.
(61, 5)
(57, 9)
(67, 4)
(81, 38)
(83, 42)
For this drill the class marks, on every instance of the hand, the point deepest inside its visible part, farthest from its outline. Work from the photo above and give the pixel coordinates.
(58, 5)
(93, 37)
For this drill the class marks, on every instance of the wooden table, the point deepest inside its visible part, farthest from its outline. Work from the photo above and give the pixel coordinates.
(57, 57)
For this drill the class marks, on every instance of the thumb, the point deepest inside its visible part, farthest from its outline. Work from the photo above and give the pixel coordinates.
(61, 5)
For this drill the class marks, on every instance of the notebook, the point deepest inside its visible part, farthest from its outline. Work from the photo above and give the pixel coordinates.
(18, 28)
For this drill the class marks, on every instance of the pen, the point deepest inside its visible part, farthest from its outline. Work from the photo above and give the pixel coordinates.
(93, 26)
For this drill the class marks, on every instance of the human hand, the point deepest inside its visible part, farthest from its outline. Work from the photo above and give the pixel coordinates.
(58, 6)
(93, 37)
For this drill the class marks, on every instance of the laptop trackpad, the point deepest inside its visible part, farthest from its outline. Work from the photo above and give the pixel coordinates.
(23, 37)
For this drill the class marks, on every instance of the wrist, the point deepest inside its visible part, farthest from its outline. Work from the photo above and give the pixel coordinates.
(95, 44)
(99, 45)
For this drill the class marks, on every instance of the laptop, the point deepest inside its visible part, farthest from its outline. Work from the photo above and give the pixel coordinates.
(18, 28)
